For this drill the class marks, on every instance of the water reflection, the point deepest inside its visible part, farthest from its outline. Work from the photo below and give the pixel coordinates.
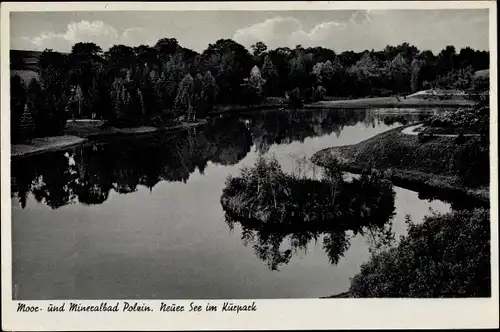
(88, 173)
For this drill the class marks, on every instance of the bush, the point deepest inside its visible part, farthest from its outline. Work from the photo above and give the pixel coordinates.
(446, 256)
(476, 118)
(294, 98)
(473, 163)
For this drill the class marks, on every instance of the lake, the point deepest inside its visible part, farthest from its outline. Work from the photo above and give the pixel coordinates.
(125, 218)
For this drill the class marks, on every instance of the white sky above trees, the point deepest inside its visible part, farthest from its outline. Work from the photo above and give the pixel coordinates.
(338, 30)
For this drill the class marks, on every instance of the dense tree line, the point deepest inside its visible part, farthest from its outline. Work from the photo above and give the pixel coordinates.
(129, 86)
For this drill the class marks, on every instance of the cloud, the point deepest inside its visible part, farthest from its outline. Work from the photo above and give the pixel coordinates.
(286, 31)
(374, 29)
(98, 32)
(273, 31)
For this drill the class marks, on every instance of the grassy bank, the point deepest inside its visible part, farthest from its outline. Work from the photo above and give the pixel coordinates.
(431, 166)
(389, 102)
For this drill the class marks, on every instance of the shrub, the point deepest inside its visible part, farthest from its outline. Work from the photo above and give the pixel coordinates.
(473, 163)
(294, 98)
(446, 256)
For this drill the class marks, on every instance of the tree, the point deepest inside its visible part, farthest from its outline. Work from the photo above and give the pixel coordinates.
(161, 90)
(121, 57)
(48, 109)
(416, 80)
(126, 100)
(399, 71)
(255, 79)
(86, 50)
(259, 48)
(446, 59)
(253, 87)
(323, 72)
(199, 108)
(299, 76)
(184, 101)
(270, 74)
(367, 73)
(209, 90)
(166, 47)
(53, 70)
(174, 70)
(53, 93)
(17, 103)
(230, 63)
(26, 125)
(85, 61)
(146, 55)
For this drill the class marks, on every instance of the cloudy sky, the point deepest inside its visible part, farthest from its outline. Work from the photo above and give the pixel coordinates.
(339, 30)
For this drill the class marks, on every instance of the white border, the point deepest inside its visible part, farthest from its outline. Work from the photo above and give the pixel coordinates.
(271, 314)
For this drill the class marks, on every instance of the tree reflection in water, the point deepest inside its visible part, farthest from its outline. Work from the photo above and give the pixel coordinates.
(88, 173)
(272, 206)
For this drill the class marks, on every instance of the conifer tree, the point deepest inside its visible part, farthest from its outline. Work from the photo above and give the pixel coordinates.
(27, 125)
(184, 99)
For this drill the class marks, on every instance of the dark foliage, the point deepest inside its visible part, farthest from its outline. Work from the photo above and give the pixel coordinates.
(446, 256)
(271, 205)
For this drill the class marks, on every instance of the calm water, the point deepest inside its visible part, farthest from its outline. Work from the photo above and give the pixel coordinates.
(141, 218)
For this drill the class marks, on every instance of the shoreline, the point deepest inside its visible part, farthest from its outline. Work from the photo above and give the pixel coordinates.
(55, 143)
(73, 139)
(358, 103)
(429, 184)
(389, 102)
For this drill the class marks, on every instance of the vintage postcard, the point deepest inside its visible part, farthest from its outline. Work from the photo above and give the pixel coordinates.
(249, 165)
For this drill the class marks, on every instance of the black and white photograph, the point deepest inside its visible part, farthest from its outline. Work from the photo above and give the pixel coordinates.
(249, 154)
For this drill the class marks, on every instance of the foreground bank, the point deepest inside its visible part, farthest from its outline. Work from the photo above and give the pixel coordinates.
(446, 256)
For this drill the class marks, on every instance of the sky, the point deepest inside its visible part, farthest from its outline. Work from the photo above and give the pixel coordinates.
(339, 30)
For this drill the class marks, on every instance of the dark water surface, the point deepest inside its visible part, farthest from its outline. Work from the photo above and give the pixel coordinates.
(141, 218)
